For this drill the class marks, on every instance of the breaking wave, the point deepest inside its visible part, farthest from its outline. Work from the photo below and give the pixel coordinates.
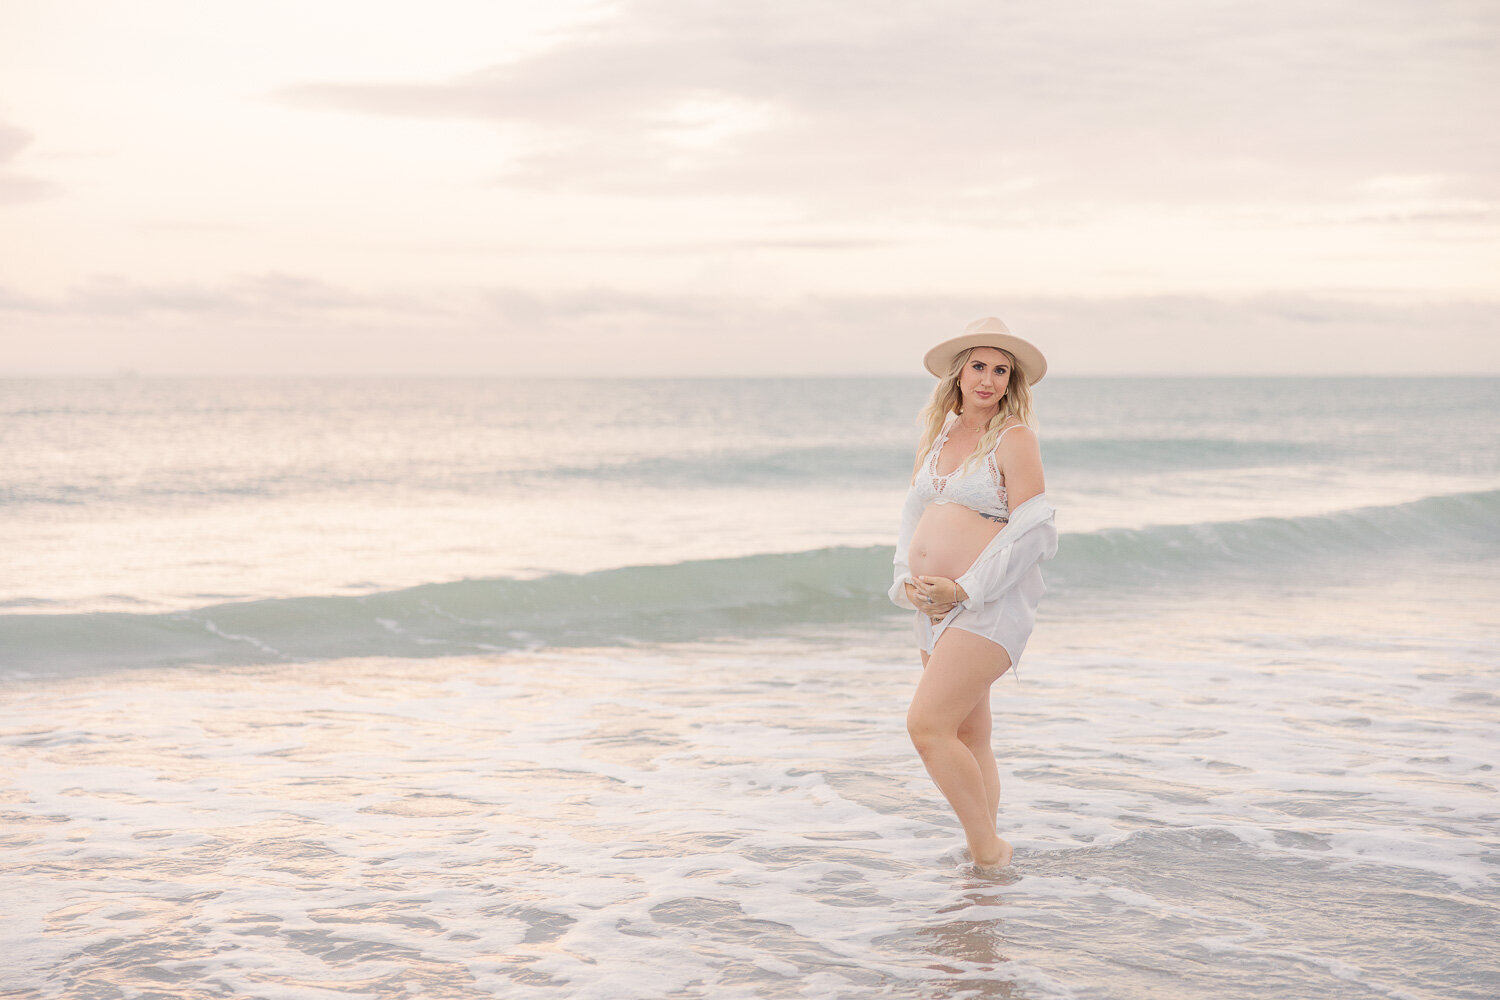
(700, 599)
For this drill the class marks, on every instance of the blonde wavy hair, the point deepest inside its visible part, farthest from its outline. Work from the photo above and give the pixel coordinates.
(946, 399)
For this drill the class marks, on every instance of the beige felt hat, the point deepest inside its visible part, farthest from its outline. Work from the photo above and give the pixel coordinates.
(988, 332)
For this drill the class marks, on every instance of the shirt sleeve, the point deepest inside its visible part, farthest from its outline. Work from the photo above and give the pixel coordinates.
(1030, 538)
(911, 513)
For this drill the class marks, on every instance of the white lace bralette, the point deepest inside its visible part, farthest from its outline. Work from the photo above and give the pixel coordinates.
(980, 489)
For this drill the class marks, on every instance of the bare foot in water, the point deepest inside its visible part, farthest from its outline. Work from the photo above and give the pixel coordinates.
(996, 857)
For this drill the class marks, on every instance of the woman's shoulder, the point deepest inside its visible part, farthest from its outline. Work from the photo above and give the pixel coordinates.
(1024, 432)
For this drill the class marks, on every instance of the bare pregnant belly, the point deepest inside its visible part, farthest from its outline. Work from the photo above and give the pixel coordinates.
(949, 537)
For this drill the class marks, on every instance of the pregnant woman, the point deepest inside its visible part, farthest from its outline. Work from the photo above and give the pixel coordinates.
(974, 530)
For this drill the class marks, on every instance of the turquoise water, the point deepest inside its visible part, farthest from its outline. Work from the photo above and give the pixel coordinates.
(446, 688)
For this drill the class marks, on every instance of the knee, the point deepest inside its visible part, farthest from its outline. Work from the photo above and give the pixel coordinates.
(974, 735)
(925, 731)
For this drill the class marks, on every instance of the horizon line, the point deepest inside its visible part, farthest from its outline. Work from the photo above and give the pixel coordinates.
(134, 376)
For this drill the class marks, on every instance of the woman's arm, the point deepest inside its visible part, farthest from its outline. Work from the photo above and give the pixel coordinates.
(1020, 458)
(911, 513)
(1030, 538)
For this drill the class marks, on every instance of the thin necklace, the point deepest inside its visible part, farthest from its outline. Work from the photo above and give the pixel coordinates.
(972, 430)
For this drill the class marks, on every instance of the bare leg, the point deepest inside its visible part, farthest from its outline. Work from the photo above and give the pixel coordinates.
(975, 731)
(955, 681)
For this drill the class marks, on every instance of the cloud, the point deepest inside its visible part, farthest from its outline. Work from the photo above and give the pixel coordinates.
(190, 228)
(16, 187)
(285, 324)
(1286, 334)
(657, 248)
(1266, 334)
(971, 108)
(272, 296)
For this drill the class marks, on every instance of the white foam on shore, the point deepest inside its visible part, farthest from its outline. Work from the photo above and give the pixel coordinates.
(748, 820)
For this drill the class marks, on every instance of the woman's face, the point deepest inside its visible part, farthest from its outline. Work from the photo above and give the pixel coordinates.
(984, 378)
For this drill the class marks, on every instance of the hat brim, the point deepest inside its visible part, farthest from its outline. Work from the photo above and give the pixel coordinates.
(1031, 361)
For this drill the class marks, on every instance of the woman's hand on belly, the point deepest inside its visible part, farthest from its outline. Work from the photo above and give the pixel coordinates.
(933, 611)
(935, 595)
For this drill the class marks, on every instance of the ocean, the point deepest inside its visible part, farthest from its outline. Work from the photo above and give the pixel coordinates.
(589, 688)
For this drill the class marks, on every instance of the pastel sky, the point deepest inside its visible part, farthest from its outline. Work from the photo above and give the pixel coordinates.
(473, 187)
